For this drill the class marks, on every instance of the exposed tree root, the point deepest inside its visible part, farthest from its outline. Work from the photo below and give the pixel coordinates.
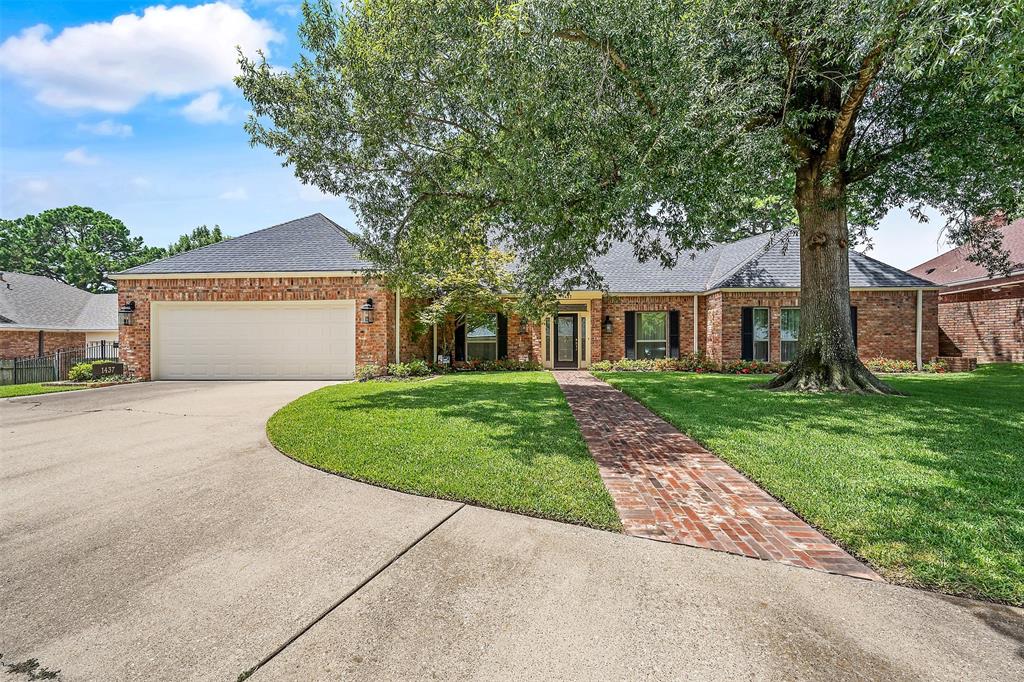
(845, 377)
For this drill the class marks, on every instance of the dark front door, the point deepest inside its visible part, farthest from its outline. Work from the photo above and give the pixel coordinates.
(567, 340)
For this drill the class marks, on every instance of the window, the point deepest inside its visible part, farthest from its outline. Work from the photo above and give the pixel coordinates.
(482, 337)
(651, 335)
(761, 334)
(790, 333)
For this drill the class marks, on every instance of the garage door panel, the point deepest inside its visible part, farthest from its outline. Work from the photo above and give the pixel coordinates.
(254, 340)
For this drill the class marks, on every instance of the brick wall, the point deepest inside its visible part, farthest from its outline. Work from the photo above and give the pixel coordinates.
(613, 346)
(20, 343)
(886, 322)
(372, 341)
(985, 324)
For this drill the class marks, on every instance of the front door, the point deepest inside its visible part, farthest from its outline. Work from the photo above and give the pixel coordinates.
(566, 341)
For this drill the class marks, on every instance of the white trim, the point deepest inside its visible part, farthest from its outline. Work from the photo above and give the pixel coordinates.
(237, 275)
(797, 289)
(398, 326)
(9, 328)
(946, 291)
(972, 280)
(696, 326)
(920, 324)
(645, 294)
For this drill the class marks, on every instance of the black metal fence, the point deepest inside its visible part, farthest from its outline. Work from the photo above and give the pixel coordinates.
(53, 366)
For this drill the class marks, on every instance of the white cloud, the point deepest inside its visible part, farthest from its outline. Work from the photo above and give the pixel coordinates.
(236, 194)
(112, 66)
(207, 109)
(107, 128)
(287, 10)
(141, 182)
(34, 186)
(80, 157)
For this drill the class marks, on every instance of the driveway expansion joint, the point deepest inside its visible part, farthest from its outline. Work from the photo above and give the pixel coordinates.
(352, 592)
(667, 487)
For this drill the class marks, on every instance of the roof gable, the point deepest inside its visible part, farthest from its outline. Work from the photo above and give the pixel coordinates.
(953, 267)
(314, 243)
(35, 302)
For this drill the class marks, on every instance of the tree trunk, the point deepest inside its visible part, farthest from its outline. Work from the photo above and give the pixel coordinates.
(826, 357)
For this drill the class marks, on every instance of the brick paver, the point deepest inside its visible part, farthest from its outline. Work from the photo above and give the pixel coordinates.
(667, 487)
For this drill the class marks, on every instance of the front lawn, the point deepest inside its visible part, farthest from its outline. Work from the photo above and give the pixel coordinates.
(929, 488)
(33, 389)
(505, 440)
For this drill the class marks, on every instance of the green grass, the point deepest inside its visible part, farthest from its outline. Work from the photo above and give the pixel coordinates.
(505, 440)
(33, 389)
(929, 488)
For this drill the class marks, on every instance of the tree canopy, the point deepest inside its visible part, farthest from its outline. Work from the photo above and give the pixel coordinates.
(564, 126)
(200, 236)
(81, 246)
(75, 245)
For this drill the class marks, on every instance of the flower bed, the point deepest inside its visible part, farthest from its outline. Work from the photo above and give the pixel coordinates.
(422, 368)
(889, 366)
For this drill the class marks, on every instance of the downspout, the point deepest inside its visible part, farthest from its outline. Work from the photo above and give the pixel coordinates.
(434, 358)
(696, 327)
(920, 324)
(398, 326)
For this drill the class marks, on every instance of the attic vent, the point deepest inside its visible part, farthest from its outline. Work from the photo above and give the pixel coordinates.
(929, 271)
(6, 320)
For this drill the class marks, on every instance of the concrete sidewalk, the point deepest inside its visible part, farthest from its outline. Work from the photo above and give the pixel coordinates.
(150, 532)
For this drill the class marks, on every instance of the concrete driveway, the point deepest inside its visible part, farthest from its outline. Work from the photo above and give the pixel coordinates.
(150, 532)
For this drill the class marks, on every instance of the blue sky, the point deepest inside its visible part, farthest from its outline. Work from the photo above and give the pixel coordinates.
(129, 108)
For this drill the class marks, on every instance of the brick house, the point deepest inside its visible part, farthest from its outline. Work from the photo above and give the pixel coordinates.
(980, 316)
(293, 301)
(39, 315)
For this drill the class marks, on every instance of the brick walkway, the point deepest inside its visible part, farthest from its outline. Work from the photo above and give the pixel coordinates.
(667, 487)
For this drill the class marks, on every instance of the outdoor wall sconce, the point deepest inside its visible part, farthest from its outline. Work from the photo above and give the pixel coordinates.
(126, 313)
(522, 326)
(607, 324)
(367, 309)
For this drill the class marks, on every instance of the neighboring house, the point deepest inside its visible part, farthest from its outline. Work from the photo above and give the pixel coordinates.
(288, 302)
(980, 316)
(39, 315)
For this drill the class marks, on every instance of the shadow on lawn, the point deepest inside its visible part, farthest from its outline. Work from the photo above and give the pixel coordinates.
(526, 418)
(939, 491)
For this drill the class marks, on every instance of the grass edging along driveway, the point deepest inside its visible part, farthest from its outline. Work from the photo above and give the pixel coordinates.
(17, 390)
(926, 487)
(504, 440)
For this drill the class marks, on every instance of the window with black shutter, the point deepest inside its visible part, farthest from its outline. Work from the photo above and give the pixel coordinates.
(631, 335)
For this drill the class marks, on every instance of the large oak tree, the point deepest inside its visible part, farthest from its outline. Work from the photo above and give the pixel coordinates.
(563, 126)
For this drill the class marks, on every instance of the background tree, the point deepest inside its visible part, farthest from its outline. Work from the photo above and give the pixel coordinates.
(75, 245)
(200, 236)
(563, 126)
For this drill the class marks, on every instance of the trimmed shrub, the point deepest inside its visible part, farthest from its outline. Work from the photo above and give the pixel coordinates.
(752, 367)
(691, 362)
(371, 371)
(937, 367)
(890, 366)
(81, 371)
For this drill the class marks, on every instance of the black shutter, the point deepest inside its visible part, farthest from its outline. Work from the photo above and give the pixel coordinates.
(42, 344)
(631, 335)
(460, 342)
(673, 333)
(853, 323)
(502, 337)
(747, 334)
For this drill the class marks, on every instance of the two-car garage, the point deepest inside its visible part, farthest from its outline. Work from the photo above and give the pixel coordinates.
(253, 340)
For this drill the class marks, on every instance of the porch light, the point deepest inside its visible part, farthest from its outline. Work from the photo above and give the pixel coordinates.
(126, 313)
(522, 326)
(367, 309)
(607, 324)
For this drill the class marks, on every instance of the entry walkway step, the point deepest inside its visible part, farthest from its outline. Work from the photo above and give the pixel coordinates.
(667, 487)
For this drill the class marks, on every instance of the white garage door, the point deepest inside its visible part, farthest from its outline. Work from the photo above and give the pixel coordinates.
(295, 340)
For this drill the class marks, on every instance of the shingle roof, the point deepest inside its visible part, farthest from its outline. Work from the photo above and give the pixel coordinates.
(34, 302)
(769, 260)
(317, 244)
(953, 267)
(311, 244)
